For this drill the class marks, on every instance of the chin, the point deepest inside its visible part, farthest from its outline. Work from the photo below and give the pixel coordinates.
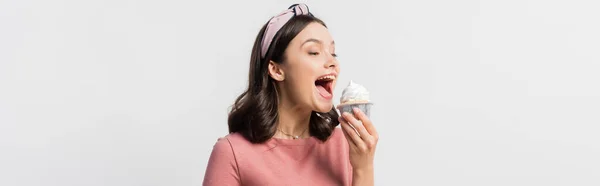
(323, 107)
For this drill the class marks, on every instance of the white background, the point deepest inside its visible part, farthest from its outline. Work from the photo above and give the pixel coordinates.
(135, 93)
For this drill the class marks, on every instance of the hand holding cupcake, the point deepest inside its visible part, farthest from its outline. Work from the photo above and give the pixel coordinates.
(359, 131)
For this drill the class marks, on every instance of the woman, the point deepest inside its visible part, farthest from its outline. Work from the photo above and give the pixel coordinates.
(283, 127)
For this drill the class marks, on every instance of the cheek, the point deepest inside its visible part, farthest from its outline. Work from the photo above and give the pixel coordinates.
(301, 85)
(302, 80)
(302, 73)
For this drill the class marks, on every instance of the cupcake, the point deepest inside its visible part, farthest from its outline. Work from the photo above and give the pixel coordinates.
(355, 96)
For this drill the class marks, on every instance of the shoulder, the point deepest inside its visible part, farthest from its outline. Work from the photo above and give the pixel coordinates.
(233, 143)
(222, 165)
(224, 150)
(229, 141)
(234, 139)
(222, 147)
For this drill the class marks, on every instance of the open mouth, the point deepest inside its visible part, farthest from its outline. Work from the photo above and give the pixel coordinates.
(324, 86)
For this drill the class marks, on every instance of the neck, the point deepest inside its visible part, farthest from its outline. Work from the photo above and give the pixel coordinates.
(293, 120)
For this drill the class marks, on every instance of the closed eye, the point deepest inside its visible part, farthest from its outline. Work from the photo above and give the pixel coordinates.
(334, 55)
(313, 53)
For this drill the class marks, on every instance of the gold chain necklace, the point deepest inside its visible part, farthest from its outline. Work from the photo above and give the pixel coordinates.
(295, 137)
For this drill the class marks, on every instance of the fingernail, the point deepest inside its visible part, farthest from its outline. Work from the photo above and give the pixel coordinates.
(356, 110)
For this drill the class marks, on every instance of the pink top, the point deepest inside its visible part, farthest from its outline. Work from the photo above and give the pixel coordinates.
(236, 161)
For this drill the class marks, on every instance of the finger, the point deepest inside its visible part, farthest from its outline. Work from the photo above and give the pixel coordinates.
(366, 122)
(358, 126)
(346, 135)
(358, 142)
(348, 122)
(341, 119)
(345, 121)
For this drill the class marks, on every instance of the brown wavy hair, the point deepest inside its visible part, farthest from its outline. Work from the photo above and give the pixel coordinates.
(254, 113)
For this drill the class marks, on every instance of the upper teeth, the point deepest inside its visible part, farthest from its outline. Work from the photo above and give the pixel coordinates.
(330, 77)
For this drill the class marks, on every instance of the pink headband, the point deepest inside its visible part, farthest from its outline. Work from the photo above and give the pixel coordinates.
(277, 22)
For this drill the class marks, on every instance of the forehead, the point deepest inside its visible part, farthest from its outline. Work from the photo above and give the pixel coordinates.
(313, 30)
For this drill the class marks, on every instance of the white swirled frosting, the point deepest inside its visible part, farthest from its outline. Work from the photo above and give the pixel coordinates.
(354, 93)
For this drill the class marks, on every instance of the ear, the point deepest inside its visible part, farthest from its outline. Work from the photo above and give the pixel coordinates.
(275, 71)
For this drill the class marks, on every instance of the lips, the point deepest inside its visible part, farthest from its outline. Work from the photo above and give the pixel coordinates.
(324, 85)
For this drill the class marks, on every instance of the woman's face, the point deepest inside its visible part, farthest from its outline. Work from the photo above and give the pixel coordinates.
(311, 68)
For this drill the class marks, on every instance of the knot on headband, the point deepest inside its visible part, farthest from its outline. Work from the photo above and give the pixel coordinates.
(276, 22)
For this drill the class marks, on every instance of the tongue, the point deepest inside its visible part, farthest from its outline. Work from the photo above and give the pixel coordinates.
(323, 91)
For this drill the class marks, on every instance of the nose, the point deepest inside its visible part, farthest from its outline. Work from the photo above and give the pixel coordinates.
(331, 62)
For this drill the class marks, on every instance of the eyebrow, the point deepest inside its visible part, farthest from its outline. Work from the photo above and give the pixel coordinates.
(316, 41)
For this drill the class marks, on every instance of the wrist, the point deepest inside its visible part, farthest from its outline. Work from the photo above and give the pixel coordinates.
(367, 167)
(363, 170)
(363, 176)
